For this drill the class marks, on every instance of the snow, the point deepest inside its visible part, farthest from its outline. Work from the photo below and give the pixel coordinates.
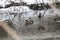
(4, 2)
(16, 8)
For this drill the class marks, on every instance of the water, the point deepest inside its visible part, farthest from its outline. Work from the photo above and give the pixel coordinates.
(4, 35)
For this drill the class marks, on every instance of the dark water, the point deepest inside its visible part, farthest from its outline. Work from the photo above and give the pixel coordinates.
(3, 33)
